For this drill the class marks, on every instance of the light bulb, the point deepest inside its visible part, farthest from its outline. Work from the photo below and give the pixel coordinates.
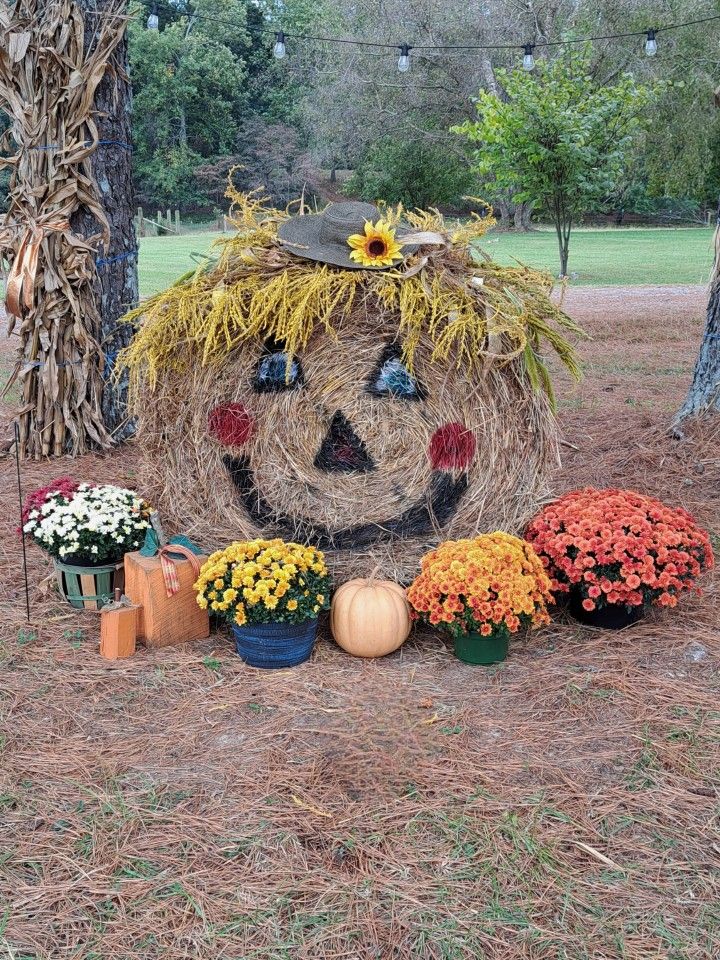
(404, 61)
(279, 48)
(528, 58)
(153, 22)
(651, 44)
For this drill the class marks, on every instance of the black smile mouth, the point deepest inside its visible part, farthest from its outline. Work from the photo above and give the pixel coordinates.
(433, 510)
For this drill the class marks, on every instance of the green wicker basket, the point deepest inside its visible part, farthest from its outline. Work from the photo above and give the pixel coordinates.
(89, 588)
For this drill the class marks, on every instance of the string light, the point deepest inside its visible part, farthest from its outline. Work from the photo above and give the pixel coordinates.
(279, 48)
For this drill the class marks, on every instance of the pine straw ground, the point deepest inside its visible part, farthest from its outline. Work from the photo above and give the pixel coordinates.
(560, 805)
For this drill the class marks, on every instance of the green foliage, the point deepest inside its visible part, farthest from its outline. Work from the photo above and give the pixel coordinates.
(270, 157)
(413, 173)
(190, 89)
(559, 138)
(681, 150)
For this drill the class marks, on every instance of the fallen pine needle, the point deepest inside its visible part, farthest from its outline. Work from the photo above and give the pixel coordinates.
(433, 719)
(307, 806)
(598, 856)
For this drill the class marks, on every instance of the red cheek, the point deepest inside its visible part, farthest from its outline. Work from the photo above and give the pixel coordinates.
(231, 424)
(452, 447)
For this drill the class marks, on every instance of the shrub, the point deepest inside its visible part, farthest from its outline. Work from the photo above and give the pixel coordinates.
(412, 173)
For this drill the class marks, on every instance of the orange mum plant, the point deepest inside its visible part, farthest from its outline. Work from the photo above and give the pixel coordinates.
(492, 586)
(619, 547)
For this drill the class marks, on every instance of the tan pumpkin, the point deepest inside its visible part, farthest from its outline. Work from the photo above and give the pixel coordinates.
(370, 618)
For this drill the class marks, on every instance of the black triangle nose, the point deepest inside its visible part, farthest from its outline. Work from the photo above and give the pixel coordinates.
(342, 450)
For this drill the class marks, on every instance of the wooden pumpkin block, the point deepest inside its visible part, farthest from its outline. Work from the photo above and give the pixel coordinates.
(164, 620)
(118, 631)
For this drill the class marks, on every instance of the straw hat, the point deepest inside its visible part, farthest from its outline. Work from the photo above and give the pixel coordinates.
(325, 237)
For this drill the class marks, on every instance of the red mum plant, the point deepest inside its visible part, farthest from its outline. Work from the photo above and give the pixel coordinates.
(619, 547)
(65, 486)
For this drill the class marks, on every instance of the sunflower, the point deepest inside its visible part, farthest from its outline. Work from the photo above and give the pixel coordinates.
(377, 247)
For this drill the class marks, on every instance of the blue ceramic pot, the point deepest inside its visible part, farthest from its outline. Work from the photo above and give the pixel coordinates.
(275, 645)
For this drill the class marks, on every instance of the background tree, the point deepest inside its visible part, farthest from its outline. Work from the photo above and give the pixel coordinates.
(350, 101)
(269, 157)
(558, 137)
(190, 81)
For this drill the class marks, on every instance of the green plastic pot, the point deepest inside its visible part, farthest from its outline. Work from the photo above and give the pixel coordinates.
(474, 648)
(89, 588)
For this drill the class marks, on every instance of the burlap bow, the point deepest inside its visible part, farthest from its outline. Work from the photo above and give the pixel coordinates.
(168, 556)
(20, 289)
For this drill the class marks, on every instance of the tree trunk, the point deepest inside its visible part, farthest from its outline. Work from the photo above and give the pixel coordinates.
(116, 281)
(704, 394)
(562, 229)
(523, 212)
(182, 130)
(509, 214)
(501, 212)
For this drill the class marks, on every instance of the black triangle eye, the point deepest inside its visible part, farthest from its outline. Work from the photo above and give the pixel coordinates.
(273, 373)
(391, 378)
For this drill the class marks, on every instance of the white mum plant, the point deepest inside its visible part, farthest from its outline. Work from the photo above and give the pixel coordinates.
(91, 526)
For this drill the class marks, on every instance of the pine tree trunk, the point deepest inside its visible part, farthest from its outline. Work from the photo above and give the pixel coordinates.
(704, 394)
(116, 282)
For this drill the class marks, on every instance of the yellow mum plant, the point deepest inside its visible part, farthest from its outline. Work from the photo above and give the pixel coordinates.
(491, 585)
(264, 581)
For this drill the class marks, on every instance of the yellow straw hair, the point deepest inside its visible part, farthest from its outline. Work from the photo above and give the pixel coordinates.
(474, 310)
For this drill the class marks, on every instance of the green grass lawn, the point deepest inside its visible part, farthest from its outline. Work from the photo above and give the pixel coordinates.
(597, 257)
(164, 259)
(614, 256)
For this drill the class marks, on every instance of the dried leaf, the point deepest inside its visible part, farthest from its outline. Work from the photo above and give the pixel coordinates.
(18, 44)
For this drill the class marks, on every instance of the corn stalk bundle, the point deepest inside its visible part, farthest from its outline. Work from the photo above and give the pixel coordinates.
(50, 69)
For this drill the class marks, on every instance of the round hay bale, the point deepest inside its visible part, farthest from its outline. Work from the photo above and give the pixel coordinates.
(346, 441)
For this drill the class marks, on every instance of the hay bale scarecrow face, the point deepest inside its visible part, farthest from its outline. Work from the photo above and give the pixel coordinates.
(325, 408)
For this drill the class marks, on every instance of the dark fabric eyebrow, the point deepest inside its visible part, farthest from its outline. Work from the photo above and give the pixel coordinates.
(277, 384)
(392, 351)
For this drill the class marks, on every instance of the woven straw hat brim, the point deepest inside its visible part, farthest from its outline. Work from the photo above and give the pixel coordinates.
(301, 236)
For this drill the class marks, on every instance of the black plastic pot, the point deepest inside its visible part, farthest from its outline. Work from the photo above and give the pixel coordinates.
(612, 616)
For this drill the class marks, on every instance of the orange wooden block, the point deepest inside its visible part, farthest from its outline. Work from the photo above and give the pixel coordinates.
(118, 626)
(164, 620)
